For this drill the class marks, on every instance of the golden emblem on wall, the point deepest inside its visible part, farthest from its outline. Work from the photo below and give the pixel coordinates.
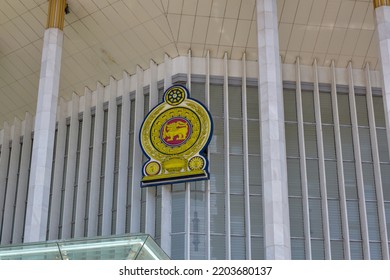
(174, 136)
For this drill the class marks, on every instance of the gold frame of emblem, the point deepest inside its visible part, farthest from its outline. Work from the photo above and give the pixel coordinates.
(173, 160)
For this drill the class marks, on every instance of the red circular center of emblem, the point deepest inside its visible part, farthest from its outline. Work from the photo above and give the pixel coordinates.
(175, 131)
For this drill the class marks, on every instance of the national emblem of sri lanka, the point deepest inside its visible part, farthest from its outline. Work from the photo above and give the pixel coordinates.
(174, 136)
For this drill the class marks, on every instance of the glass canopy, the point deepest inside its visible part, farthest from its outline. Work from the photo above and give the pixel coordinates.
(125, 247)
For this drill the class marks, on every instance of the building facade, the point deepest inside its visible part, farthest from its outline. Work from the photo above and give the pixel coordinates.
(299, 160)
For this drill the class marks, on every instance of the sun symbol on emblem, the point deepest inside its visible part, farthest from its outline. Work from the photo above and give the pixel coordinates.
(196, 163)
(175, 96)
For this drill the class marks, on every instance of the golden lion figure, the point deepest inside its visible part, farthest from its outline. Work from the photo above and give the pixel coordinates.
(177, 129)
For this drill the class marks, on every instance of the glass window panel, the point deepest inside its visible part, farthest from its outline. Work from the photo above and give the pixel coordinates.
(177, 246)
(146, 105)
(255, 189)
(292, 146)
(78, 152)
(317, 249)
(365, 144)
(257, 244)
(131, 146)
(128, 202)
(296, 217)
(178, 211)
(198, 209)
(217, 172)
(216, 100)
(329, 141)
(179, 187)
(343, 106)
(217, 213)
(198, 247)
(132, 114)
(217, 141)
(198, 92)
(131, 136)
(235, 101)
(290, 105)
(356, 250)
(294, 177)
(373, 220)
(369, 181)
(385, 174)
(254, 174)
(252, 103)
(308, 106)
(326, 107)
(334, 219)
(331, 175)
(350, 180)
(116, 166)
(235, 136)
(143, 209)
(253, 137)
(236, 174)
(375, 251)
(218, 247)
(347, 143)
(310, 141)
(256, 215)
(379, 111)
(198, 186)
(59, 207)
(313, 178)
(237, 214)
(315, 218)
(89, 174)
(354, 220)
(297, 249)
(387, 213)
(337, 248)
(361, 109)
(238, 251)
(158, 217)
(160, 94)
(382, 144)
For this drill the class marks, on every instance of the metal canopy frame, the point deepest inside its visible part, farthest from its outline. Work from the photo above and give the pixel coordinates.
(124, 247)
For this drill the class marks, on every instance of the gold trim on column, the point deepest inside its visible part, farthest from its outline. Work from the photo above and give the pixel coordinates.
(56, 14)
(379, 3)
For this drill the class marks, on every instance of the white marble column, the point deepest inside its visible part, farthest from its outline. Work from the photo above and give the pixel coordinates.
(45, 122)
(382, 14)
(274, 166)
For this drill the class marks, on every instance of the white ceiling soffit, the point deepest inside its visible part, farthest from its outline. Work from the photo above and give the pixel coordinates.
(105, 37)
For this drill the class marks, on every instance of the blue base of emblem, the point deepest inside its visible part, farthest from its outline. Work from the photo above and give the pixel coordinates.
(173, 180)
